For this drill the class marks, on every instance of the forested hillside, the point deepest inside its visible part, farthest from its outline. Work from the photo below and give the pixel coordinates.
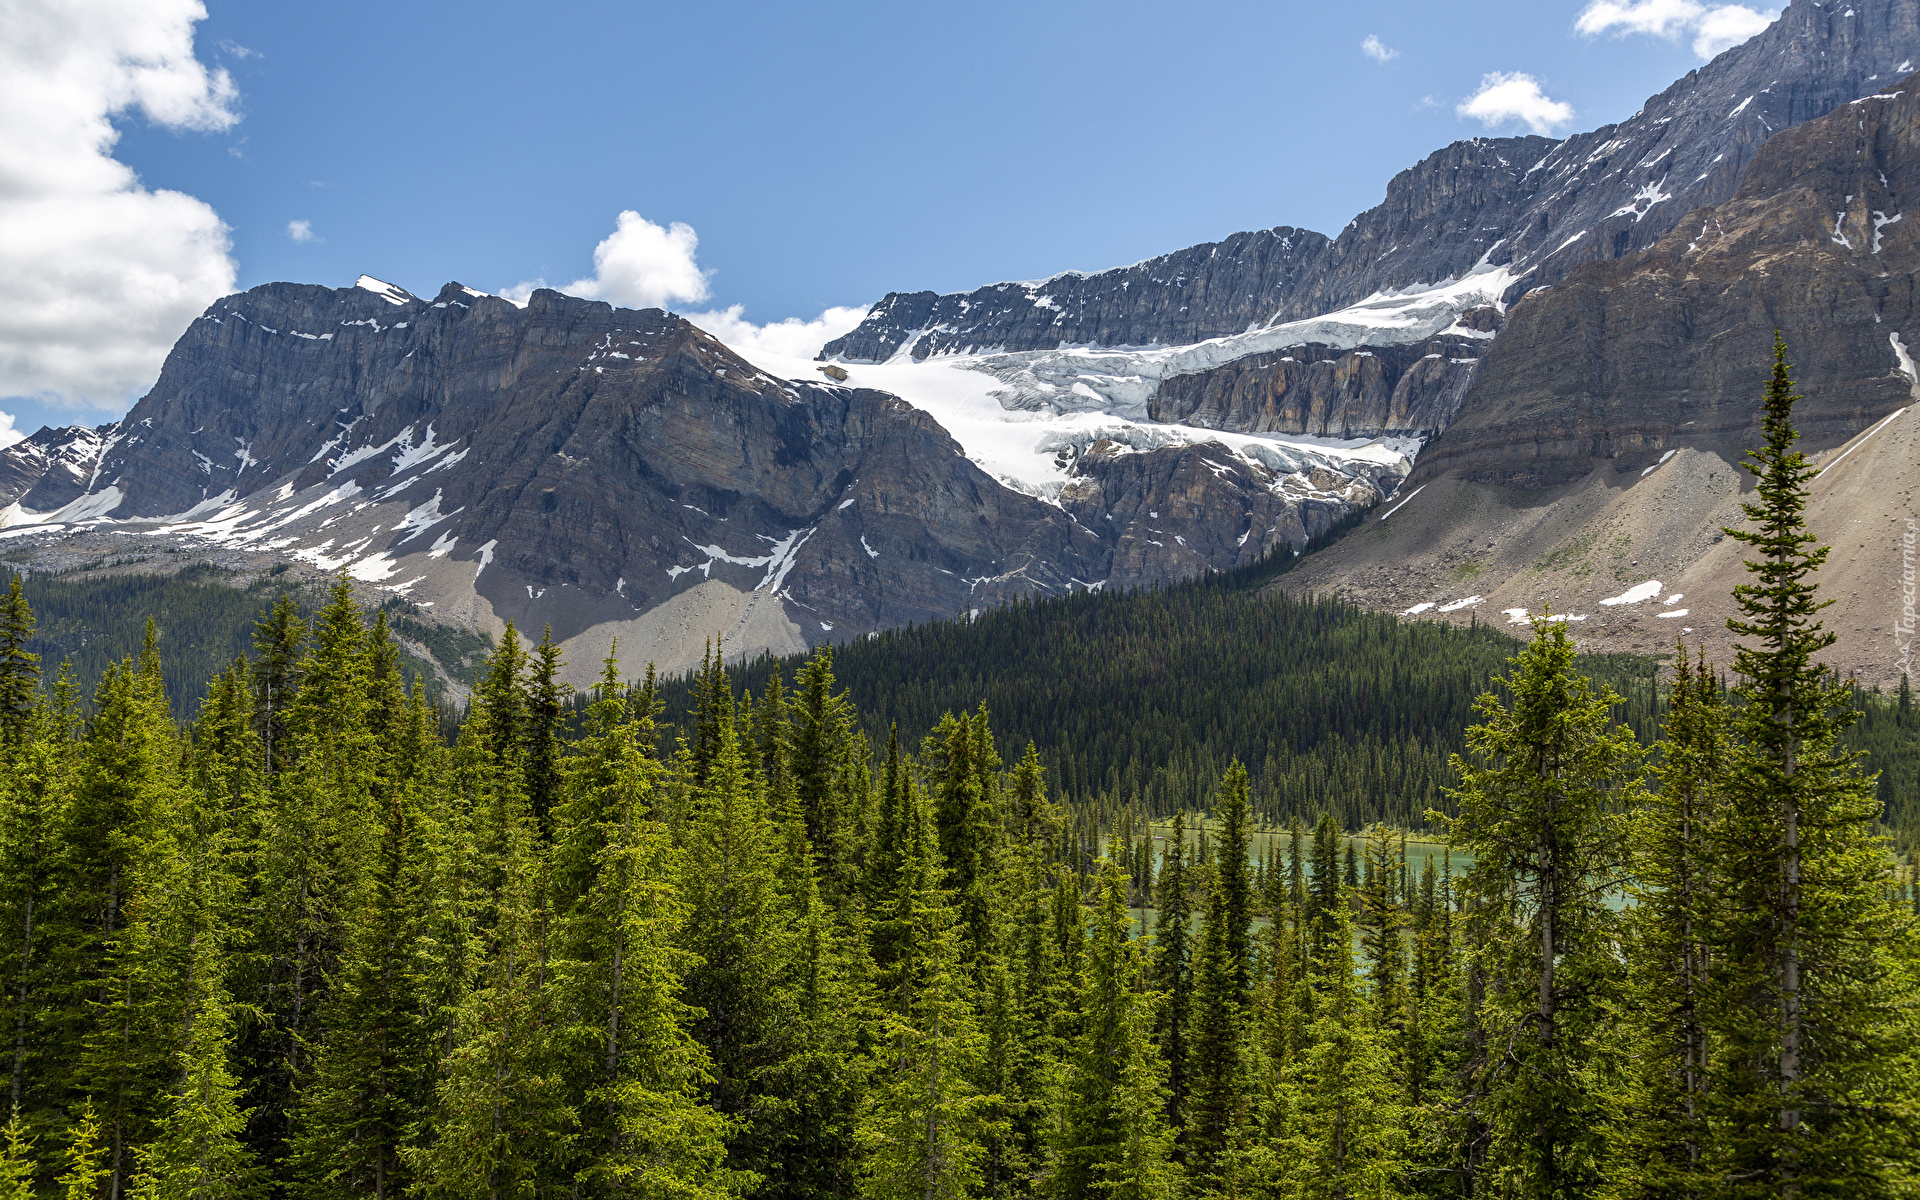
(88, 619)
(1142, 699)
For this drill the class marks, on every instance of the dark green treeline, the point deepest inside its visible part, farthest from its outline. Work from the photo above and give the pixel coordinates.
(1139, 701)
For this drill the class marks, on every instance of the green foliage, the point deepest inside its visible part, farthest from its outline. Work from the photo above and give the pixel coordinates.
(1807, 975)
(1538, 809)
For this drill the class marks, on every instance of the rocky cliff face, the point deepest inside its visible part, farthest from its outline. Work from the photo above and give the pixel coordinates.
(1632, 357)
(51, 467)
(1320, 391)
(1538, 206)
(1595, 459)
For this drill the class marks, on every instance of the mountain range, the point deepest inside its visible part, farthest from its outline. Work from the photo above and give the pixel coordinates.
(1525, 380)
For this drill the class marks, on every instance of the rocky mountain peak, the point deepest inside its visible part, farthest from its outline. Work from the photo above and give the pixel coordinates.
(1538, 206)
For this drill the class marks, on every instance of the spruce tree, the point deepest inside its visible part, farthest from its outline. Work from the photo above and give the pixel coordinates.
(371, 1087)
(118, 858)
(1804, 1017)
(1382, 940)
(820, 731)
(314, 840)
(35, 778)
(1113, 1139)
(1236, 884)
(924, 1122)
(1537, 807)
(1324, 893)
(1352, 1132)
(1665, 1140)
(19, 671)
(1173, 966)
(199, 1153)
(499, 1112)
(279, 641)
(84, 1154)
(1216, 1106)
(737, 937)
(546, 714)
(17, 1169)
(622, 1059)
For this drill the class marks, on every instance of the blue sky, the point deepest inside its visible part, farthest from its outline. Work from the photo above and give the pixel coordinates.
(823, 154)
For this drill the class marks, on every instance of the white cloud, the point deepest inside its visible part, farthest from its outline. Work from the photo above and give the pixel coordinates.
(98, 274)
(638, 265)
(1714, 27)
(1505, 96)
(792, 337)
(643, 265)
(1727, 26)
(1378, 50)
(300, 231)
(8, 434)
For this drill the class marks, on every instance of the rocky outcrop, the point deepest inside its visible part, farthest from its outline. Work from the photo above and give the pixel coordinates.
(51, 467)
(1181, 511)
(1630, 358)
(1320, 391)
(1539, 206)
(569, 464)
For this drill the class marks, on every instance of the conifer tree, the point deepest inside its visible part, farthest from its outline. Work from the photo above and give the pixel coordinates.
(1216, 1105)
(1236, 885)
(1665, 1140)
(1804, 1018)
(35, 776)
(371, 1086)
(819, 737)
(16, 1161)
(1324, 893)
(1173, 967)
(961, 752)
(498, 1113)
(199, 1153)
(1537, 808)
(314, 840)
(624, 1062)
(1114, 1140)
(546, 713)
(736, 935)
(809, 1097)
(1026, 1027)
(500, 700)
(279, 642)
(1383, 943)
(19, 671)
(923, 1123)
(1351, 1123)
(1030, 818)
(118, 841)
(81, 1180)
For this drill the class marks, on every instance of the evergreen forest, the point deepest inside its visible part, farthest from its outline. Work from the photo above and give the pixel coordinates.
(869, 924)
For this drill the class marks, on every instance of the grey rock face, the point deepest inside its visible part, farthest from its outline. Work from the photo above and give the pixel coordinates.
(1181, 511)
(1540, 206)
(1630, 358)
(1322, 392)
(51, 467)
